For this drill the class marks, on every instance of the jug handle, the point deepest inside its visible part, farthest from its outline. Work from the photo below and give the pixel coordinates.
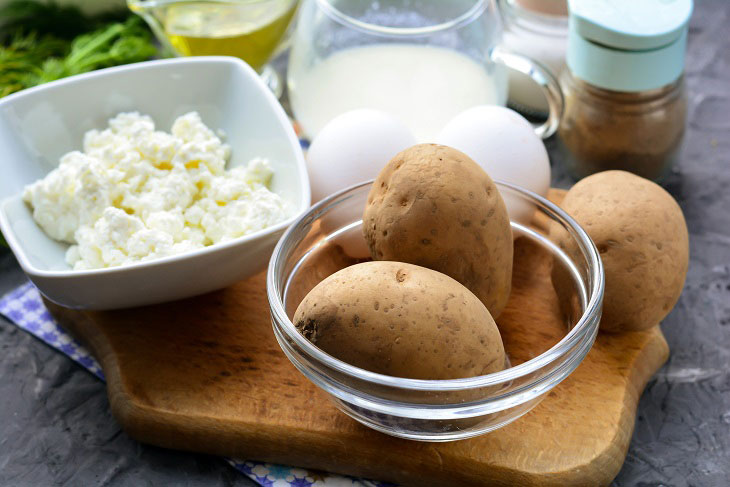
(540, 75)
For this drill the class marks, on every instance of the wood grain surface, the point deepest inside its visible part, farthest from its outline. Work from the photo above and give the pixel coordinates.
(206, 374)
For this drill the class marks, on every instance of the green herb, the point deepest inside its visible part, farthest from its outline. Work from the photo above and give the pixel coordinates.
(116, 44)
(49, 18)
(35, 56)
(24, 57)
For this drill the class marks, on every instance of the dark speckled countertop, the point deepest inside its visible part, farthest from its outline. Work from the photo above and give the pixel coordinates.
(56, 427)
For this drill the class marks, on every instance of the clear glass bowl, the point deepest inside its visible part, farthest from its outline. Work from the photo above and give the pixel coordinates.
(328, 238)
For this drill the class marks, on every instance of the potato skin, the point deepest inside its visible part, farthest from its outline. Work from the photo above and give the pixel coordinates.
(642, 237)
(401, 320)
(433, 206)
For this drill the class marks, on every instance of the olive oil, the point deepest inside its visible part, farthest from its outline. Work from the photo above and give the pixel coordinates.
(250, 30)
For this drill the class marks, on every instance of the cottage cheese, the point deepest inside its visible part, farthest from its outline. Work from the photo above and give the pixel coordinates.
(136, 194)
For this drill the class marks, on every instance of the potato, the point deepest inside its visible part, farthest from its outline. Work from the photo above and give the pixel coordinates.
(401, 320)
(433, 206)
(641, 234)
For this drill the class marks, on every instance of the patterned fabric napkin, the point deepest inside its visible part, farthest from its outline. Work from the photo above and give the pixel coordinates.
(24, 307)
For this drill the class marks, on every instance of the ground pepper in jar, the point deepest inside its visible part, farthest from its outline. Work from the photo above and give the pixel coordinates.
(640, 132)
(625, 103)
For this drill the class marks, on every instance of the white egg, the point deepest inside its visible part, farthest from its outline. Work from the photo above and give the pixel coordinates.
(505, 145)
(354, 147)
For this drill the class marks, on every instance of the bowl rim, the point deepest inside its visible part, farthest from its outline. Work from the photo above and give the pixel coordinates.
(587, 323)
(300, 207)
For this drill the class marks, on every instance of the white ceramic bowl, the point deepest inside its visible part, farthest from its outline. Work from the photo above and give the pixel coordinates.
(40, 124)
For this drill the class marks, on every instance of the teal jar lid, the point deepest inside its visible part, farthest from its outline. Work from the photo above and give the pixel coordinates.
(627, 45)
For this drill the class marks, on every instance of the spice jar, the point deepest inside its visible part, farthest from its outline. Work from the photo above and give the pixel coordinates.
(537, 29)
(625, 104)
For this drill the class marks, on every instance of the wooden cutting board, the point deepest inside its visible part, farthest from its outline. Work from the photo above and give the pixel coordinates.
(206, 374)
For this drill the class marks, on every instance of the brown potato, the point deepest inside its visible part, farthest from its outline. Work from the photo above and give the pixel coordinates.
(401, 320)
(642, 237)
(433, 206)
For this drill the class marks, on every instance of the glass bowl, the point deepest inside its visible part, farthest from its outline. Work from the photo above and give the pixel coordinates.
(328, 238)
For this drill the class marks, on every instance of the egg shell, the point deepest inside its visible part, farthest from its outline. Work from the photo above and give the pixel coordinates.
(354, 147)
(505, 145)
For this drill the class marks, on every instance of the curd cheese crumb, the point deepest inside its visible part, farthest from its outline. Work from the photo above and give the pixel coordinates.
(136, 193)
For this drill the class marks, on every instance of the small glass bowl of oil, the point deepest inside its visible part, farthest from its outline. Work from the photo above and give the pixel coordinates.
(247, 29)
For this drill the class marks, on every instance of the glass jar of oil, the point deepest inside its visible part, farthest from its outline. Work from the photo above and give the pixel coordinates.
(247, 29)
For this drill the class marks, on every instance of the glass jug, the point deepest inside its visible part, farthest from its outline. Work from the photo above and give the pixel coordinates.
(423, 61)
(247, 29)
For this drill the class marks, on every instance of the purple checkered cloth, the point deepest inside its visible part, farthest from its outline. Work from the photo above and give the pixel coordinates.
(23, 306)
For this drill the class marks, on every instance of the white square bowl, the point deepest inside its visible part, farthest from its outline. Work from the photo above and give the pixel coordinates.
(39, 125)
